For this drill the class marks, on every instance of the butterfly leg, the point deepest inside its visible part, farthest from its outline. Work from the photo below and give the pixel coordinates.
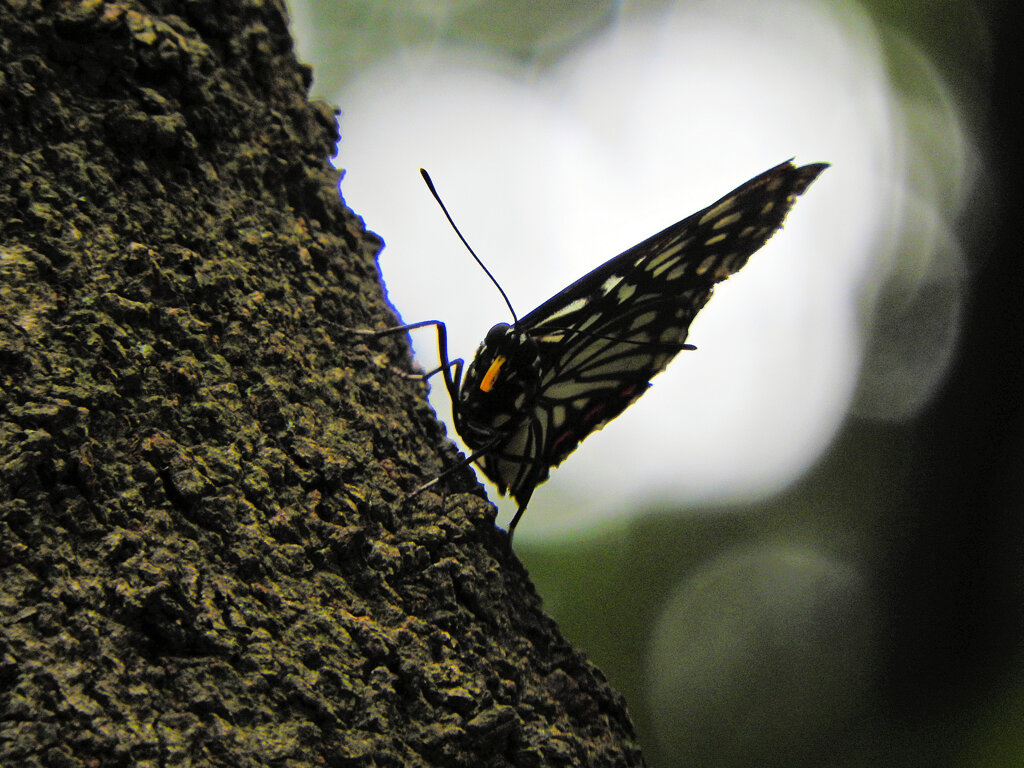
(452, 369)
(519, 513)
(465, 461)
(394, 329)
(457, 362)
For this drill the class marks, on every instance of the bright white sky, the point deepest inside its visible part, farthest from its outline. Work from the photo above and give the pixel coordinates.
(550, 174)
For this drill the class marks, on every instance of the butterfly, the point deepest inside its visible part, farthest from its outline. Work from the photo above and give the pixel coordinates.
(539, 386)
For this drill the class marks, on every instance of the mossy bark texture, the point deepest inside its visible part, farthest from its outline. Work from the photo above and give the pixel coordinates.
(206, 552)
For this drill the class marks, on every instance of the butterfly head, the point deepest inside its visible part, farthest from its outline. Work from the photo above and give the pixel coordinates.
(500, 385)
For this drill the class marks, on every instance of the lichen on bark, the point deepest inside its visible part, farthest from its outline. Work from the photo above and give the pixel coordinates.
(207, 555)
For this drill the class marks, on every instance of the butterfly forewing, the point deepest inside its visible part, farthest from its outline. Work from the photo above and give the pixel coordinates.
(601, 339)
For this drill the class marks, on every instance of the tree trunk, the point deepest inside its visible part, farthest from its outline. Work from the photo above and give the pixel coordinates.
(206, 552)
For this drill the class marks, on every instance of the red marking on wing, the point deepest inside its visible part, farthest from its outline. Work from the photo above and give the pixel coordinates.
(591, 419)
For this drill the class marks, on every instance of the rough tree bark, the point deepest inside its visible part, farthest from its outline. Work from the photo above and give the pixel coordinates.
(206, 557)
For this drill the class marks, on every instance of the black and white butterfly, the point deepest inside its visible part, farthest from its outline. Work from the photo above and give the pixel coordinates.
(536, 388)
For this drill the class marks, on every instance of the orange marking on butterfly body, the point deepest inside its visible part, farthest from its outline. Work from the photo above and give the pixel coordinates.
(487, 383)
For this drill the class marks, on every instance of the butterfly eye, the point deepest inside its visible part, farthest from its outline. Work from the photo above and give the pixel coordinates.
(497, 335)
(487, 383)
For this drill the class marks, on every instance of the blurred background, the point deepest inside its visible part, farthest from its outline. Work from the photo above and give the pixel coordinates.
(804, 546)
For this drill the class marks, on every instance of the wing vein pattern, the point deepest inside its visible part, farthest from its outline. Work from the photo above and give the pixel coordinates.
(599, 341)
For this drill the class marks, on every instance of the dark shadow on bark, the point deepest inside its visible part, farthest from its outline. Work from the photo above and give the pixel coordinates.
(206, 557)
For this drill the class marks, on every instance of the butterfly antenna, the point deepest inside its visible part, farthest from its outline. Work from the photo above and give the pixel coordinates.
(430, 186)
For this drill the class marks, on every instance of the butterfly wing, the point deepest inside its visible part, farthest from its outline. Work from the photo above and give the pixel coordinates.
(604, 337)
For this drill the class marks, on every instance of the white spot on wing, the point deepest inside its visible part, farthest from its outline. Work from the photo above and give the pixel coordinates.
(725, 221)
(676, 273)
(643, 320)
(614, 368)
(705, 265)
(568, 390)
(659, 260)
(718, 210)
(558, 416)
(626, 290)
(609, 285)
(728, 265)
(672, 336)
(588, 322)
(568, 309)
(662, 267)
